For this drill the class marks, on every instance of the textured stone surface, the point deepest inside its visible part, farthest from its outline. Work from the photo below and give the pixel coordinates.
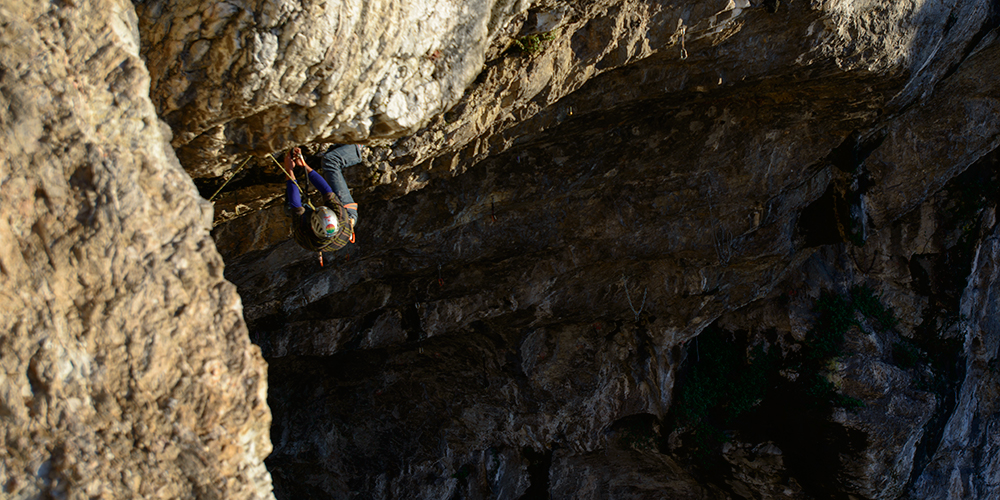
(759, 471)
(953, 128)
(126, 367)
(726, 43)
(897, 443)
(257, 76)
(541, 248)
(539, 253)
(965, 465)
(531, 271)
(454, 404)
(253, 77)
(626, 475)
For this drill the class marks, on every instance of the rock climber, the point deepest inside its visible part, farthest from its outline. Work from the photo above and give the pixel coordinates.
(330, 225)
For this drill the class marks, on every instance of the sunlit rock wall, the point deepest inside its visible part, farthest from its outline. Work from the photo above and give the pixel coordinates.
(238, 77)
(257, 76)
(126, 367)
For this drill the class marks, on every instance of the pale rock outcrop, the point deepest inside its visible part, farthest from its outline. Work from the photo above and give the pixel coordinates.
(536, 260)
(126, 367)
(967, 462)
(243, 76)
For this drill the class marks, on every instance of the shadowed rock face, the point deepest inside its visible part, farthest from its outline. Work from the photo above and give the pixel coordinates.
(127, 370)
(534, 267)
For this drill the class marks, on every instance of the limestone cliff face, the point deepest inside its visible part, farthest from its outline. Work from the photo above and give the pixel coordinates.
(573, 211)
(127, 370)
(244, 77)
(258, 76)
(538, 269)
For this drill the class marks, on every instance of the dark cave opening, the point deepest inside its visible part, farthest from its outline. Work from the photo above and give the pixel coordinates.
(539, 463)
(732, 389)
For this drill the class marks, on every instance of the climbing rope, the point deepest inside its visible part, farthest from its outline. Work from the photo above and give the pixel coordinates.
(231, 177)
(308, 203)
(301, 192)
(629, 298)
(682, 31)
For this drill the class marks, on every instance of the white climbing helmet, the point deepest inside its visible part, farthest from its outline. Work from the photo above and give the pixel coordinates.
(325, 223)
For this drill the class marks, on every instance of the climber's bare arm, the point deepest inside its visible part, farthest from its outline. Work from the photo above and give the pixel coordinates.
(288, 164)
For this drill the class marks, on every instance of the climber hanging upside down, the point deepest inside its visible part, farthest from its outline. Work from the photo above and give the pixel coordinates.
(330, 225)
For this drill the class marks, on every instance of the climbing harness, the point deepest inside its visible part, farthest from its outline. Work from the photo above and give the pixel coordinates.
(231, 177)
(334, 242)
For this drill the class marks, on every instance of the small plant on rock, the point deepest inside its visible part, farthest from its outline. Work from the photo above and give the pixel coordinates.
(870, 305)
(722, 386)
(533, 44)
